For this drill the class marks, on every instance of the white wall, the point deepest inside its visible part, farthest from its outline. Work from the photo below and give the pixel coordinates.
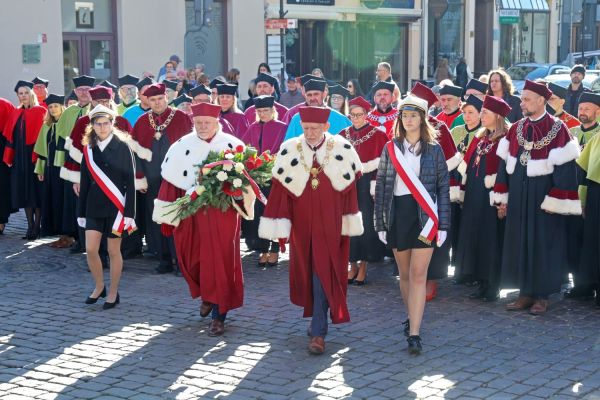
(15, 32)
(150, 31)
(245, 39)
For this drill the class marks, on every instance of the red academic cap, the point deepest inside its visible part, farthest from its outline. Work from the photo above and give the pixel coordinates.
(496, 105)
(360, 102)
(317, 115)
(425, 93)
(154, 90)
(206, 110)
(538, 88)
(101, 93)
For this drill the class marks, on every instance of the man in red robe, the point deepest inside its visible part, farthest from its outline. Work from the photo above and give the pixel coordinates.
(450, 100)
(314, 180)
(208, 242)
(40, 88)
(202, 94)
(383, 116)
(153, 134)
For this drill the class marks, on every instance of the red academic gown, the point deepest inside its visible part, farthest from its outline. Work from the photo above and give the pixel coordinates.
(265, 136)
(250, 112)
(296, 211)
(384, 120)
(448, 119)
(291, 112)
(207, 243)
(569, 120)
(238, 122)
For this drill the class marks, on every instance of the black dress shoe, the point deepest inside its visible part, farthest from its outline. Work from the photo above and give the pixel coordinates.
(164, 269)
(406, 327)
(479, 293)
(414, 344)
(93, 300)
(108, 306)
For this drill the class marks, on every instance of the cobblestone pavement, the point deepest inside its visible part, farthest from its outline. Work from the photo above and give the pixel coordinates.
(154, 344)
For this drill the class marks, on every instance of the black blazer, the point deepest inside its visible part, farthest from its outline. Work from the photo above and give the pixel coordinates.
(116, 161)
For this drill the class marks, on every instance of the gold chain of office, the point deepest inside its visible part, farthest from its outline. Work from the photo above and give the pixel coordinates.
(536, 145)
(159, 128)
(314, 182)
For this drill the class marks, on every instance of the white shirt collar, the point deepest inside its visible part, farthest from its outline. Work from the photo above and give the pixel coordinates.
(102, 144)
(538, 119)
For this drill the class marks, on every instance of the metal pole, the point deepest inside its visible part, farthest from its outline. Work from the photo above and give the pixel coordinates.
(571, 30)
(582, 34)
(282, 14)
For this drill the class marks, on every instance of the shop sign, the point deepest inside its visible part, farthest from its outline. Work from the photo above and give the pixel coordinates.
(288, 23)
(313, 2)
(509, 17)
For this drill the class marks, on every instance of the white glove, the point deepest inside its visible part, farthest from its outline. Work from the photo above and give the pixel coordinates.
(382, 236)
(129, 223)
(441, 238)
(81, 222)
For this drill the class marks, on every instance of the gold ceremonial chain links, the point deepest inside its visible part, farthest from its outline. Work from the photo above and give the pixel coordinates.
(538, 145)
(159, 128)
(314, 182)
(361, 140)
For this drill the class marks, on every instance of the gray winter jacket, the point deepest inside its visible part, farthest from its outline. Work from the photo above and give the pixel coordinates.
(433, 175)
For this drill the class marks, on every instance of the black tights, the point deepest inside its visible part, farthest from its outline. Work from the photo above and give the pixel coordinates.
(33, 218)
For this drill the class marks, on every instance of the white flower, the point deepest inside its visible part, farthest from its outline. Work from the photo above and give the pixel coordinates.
(237, 182)
(222, 176)
(239, 167)
(227, 167)
(229, 156)
(200, 189)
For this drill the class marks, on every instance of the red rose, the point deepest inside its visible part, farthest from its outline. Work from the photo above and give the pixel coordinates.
(239, 149)
(228, 190)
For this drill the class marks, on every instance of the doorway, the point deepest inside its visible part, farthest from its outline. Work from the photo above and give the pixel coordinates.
(90, 54)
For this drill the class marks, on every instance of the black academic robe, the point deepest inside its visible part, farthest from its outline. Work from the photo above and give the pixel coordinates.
(53, 190)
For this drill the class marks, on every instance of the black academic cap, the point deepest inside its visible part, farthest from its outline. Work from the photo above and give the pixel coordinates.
(384, 85)
(23, 83)
(339, 89)
(72, 96)
(144, 82)
(108, 84)
(213, 84)
(315, 85)
(589, 97)
(473, 101)
(451, 90)
(262, 77)
(200, 89)
(170, 84)
(54, 99)
(128, 80)
(477, 85)
(39, 81)
(227, 88)
(305, 78)
(557, 90)
(264, 101)
(84, 80)
(181, 99)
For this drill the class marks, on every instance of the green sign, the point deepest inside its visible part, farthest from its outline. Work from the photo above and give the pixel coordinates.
(509, 17)
(32, 53)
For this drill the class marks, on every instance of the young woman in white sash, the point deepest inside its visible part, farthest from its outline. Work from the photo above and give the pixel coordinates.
(107, 199)
(412, 206)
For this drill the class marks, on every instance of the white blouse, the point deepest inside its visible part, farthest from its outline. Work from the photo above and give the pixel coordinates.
(103, 143)
(414, 161)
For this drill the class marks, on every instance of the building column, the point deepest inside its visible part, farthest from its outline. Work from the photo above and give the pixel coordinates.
(469, 34)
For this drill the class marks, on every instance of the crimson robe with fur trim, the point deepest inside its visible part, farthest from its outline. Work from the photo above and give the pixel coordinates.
(33, 119)
(318, 222)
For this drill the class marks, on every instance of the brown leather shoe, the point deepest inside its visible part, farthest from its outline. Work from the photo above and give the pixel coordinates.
(539, 307)
(521, 303)
(316, 345)
(216, 328)
(205, 308)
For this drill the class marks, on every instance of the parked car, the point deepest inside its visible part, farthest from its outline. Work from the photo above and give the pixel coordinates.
(591, 80)
(592, 59)
(532, 71)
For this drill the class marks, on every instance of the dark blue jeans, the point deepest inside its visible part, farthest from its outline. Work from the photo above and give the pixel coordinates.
(319, 321)
(215, 313)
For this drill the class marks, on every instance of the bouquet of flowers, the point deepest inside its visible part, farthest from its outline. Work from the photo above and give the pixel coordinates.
(224, 178)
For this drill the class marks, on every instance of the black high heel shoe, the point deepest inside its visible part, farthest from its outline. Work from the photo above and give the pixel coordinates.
(93, 300)
(28, 234)
(414, 344)
(353, 279)
(108, 306)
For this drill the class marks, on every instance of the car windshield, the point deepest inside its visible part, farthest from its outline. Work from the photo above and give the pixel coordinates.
(521, 72)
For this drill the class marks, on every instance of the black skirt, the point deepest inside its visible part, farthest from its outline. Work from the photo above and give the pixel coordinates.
(406, 227)
(366, 247)
(102, 225)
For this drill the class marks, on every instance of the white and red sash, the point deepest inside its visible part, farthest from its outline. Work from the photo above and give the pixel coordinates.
(418, 191)
(111, 191)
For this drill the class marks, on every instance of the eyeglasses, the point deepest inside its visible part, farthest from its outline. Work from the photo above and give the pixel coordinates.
(102, 124)
(357, 115)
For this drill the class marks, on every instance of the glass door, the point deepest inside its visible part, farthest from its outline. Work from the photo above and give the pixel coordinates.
(100, 57)
(72, 60)
(88, 54)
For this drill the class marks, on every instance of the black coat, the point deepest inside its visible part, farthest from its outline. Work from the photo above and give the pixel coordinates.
(116, 161)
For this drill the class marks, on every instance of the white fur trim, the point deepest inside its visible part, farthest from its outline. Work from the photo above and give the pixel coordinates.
(454, 161)
(141, 184)
(274, 228)
(161, 209)
(502, 150)
(461, 196)
(462, 168)
(141, 151)
(248, 199)
(335, 169)
(372, 187)
(560, 206)
(180, 164)
(539, 167)
(75, 153)
(559, 156)
(511, 163)
(455, 194)
(370, 166)
(69, 175)
(352, 224)
(68, 143)
(498, 198)
(489, 181)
